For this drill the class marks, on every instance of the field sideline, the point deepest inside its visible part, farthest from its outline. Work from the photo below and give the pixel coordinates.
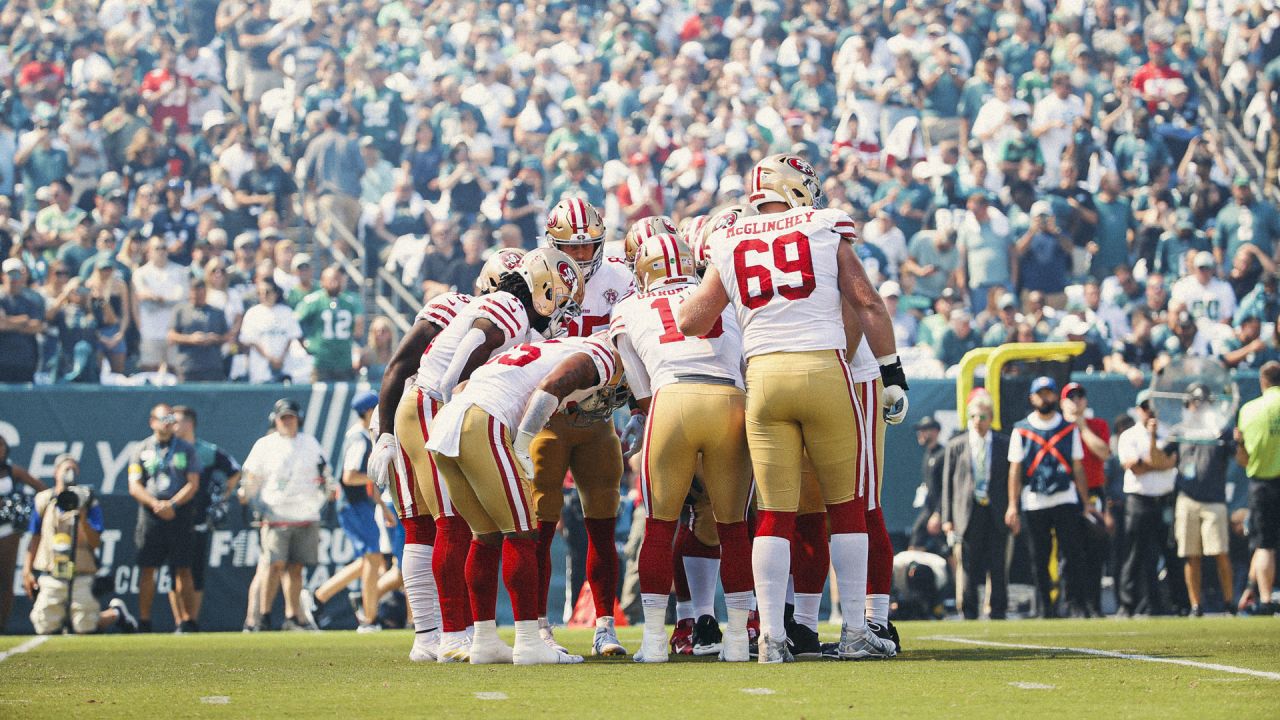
(344, 674)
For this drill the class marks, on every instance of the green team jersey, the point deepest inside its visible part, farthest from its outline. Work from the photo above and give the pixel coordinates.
(328, 326)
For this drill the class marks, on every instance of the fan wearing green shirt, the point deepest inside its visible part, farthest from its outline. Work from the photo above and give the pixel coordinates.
(331, 321)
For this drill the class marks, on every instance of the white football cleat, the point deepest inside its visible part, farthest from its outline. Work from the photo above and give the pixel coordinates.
(487, 648)
(860, 643)
(425, 647)
(548, 637)
(531, 649)
(605, 641)
(774, 651)
(653, 647)
(454, 648)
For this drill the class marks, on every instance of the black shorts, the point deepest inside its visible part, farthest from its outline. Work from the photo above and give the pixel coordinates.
(165, 542)
(1264, 514)
(199, 558)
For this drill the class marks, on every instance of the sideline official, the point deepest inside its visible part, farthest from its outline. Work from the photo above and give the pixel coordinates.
(1258, 450)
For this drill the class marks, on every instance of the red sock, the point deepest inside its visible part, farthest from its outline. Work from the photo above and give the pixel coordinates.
(879, 555)
(655, 556)
(735, 553)
(520, 575)
(677, 564)
(810, 553)
(848, 517)
(546, 533)
(776, 523)
(482, 580)
(693, 547)
(449, 565)
(420, 530)
(602, 564)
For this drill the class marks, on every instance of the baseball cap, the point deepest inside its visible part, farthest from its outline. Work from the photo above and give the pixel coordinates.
(1019, 108)
(212, 119)
(285, 406)
(1241, 180)
(301, 260)
(1070, 388)
(991, 54)
(244, 240)
(12, 265)
(949, 293)
(1044, 382)
(890, 288)
(1204, 259)
(364, 402)
(1007, 300)
(103, 261)
(927, 423)
(1144, 396)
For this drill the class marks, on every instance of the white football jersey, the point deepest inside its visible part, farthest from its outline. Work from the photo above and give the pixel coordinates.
(502, 386)
(501, 308)
(648, 320)
(443, 308)
(779, 271)
(610, 283)
(864, 367)
(1215, 301)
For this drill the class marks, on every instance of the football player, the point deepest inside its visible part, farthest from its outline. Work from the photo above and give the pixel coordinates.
(643, 229)
(481, 443)
(503, 316)
(570, 442)
(691, 388)
(695, 563)
(786, 272)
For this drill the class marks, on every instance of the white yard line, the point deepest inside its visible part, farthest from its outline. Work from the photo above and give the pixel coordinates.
(1116, 655)
(27, 646)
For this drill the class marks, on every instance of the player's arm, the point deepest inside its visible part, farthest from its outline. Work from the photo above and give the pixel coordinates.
(641, 392)
(852, 329)
(404, 363)
(877, 327)
(698, 314)
(474, 350)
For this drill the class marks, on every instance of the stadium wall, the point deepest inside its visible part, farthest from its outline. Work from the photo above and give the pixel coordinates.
(101, 424)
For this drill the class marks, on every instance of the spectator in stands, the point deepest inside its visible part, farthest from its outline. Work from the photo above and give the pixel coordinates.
(465, 183)
(287, 473)
(176, 224)
(1204, 295)
(331, 321)
(985, 252)
(198, 333)
(958, 339)
(904, 323)
(974, 500)
(1245, 348)
(1245, 220)
(932, 261)
(270, 331)
(441, 260)
(159, 286)
(22, 320)
(264, 186)
(401, 212)
(1043, 252)
(303, 280)
(74, 326)
(1150, 461)
(333, 167)
(164, 477)
(378, 351)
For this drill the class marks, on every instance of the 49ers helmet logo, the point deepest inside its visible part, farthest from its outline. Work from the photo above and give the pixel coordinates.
(511, 261)
(727, 220)
(567, 274)
(800, 165)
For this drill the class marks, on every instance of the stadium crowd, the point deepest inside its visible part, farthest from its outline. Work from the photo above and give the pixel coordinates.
(1022, 170)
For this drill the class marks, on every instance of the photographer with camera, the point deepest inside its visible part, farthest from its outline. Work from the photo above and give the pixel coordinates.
(164, 477)
(66, 523)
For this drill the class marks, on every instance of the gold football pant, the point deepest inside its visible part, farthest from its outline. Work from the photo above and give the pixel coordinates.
(686, 419)
(802, 402)
(484, 481)
(593, 453)
(420, 491)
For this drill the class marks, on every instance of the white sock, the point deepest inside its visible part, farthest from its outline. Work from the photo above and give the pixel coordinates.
(420, 588)
(737, 625)
(791, 589)
(849, 557)
(702, 574)
(771, 564)
(684, 610)
(655, 617)
(806, 612)
(739, 600)
(486, 632)
(527, 632)
(878, 609)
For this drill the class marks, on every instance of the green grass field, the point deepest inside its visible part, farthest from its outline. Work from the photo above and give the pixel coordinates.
(341, 674)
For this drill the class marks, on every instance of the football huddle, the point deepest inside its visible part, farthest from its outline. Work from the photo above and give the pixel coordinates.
(759, 367)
